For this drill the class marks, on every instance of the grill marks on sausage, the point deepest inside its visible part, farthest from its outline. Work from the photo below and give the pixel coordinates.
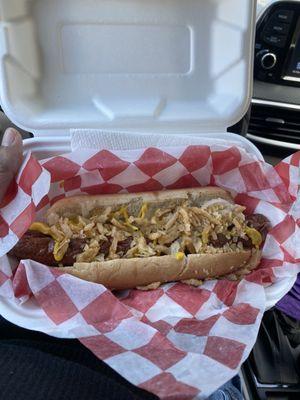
(35, 246)
(38, 247)
(76, 247)
(220, 241)
(256, 221)
(123, 246)
(260, 223)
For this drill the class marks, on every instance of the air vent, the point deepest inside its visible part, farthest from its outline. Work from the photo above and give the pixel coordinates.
(275, 123)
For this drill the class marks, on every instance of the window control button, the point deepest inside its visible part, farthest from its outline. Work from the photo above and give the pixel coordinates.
(284, 15)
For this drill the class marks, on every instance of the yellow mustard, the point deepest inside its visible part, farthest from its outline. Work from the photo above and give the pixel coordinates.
(180, 256)
(205, 236)
(58, 252)
(143, 210)
(42, 228)
(254, 235)
(123, 211)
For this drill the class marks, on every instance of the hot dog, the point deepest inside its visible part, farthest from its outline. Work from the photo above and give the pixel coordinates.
(143, 240)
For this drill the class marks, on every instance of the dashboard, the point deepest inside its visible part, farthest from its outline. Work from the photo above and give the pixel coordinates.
(275, 114)
(277, 47)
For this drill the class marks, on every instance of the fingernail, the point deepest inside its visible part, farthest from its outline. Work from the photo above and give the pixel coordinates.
(9, 137)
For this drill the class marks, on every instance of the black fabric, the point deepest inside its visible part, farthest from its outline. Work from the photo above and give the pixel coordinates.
(274, 358)
(36, 366)
(290, 327)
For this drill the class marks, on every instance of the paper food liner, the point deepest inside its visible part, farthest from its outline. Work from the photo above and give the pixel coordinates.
(177, 341)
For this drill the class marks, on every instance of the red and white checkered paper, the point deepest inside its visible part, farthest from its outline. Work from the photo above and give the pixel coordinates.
(178, 342)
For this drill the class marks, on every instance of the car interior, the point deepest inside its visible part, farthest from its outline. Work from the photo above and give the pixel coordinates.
(272, 123)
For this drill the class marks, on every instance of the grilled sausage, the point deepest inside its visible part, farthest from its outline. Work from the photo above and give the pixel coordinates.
(38, 247)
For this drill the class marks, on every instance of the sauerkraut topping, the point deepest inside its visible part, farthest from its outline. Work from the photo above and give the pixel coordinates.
(216, 227)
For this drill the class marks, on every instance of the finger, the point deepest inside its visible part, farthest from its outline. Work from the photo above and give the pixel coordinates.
(10, 158)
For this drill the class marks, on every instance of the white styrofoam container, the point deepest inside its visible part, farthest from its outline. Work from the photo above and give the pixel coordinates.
(161, 66)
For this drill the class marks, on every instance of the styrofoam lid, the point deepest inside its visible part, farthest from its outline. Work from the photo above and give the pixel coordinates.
(160, 65)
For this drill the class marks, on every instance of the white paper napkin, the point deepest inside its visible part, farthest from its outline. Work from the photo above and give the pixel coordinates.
(96, 139)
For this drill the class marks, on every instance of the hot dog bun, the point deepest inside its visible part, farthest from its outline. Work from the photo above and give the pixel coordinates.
(125, 273)
(84, 204)
(143, 272)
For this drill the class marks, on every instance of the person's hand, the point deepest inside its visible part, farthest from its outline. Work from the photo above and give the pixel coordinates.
(10, 158)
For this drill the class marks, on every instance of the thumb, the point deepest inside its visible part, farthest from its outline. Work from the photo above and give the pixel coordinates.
(10, 158)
